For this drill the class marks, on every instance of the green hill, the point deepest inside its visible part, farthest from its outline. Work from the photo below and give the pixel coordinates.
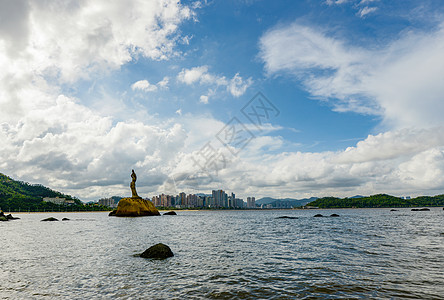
(380, 200)
(18, 195)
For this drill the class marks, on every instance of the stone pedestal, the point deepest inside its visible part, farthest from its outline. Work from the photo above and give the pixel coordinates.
(136, 207)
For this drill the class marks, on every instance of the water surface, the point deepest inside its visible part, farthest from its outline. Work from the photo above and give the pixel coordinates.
(364, 253)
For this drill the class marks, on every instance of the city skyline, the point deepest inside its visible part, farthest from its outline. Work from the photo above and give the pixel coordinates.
(266, 98)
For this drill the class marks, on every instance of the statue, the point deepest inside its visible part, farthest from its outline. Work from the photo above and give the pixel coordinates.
(134, 206)
(133, 185)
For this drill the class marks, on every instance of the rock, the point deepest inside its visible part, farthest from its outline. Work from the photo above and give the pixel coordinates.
(170, 213)
(65, 219)
(420, 209)
(50, 219)
(334, 215)
(3, 218)
(158, 251)
(286, 217)
(393, 210)
(318, 215)
(10, 217)
(112, 213)
(136, 207)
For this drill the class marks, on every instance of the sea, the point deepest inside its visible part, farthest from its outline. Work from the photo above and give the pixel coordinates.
(226, 254)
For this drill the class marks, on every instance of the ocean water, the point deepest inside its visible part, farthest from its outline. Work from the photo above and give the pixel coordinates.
(364, 253)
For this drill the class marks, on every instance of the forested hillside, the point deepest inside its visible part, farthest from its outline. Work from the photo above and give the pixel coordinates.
(380, 200)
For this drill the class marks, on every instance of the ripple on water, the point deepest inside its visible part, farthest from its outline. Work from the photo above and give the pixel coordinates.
(227, 255)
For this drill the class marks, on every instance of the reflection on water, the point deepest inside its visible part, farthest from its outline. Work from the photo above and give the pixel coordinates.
(371, 253)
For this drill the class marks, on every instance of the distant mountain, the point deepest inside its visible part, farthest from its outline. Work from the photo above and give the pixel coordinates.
(18, 194)
(284, 203)
(356, 197)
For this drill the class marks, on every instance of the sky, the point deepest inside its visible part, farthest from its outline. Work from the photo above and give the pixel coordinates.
(260, 98)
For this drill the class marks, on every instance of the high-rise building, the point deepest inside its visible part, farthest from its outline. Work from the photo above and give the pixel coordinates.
(251, 202)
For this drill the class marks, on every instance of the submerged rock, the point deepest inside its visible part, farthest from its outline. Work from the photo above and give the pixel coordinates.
(334, 215)
(318, 215)
(170, 213)
(393, 210)
(286, 217)
(50, 219)
(420, 209)
(158, 251)
(65, 219)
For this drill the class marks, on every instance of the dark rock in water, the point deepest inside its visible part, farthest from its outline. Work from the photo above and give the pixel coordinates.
(135, 207)
(113, 213)
(286, 217)
(334, 215)
(4, 217)
(170, 213)
(393, 210)
(318, 215)
(158, 251)
(50, 219)
(65, 219)
(420, 209)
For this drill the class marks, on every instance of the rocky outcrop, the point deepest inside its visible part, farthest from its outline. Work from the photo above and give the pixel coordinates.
(170, 213)
(318, 216)
(158, 251)
(65, 219)
(286, 217)
(420, 209)
(50, 219)
(334, 215)
(136, 207)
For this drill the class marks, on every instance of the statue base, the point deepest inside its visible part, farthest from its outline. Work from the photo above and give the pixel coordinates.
(135, 207)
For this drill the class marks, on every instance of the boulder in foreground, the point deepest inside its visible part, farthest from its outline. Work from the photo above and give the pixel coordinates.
(135, 207)
(158, 251)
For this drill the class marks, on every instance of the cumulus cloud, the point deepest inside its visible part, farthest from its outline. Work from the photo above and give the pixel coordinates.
(401, 82)
(144, 85)
(54, 139)
(236, 86)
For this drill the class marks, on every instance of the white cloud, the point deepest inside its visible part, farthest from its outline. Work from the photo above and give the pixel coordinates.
(236, 86)
(163, 84)
(144, 85)
(203, 99)
(401, 82)
(366, 10)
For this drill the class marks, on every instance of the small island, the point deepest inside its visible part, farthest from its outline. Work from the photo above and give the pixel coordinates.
(134, 206)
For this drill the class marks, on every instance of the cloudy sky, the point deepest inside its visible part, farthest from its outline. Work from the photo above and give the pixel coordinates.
(262, 98)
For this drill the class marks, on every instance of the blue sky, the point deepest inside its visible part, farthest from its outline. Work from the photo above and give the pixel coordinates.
(91, 90)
